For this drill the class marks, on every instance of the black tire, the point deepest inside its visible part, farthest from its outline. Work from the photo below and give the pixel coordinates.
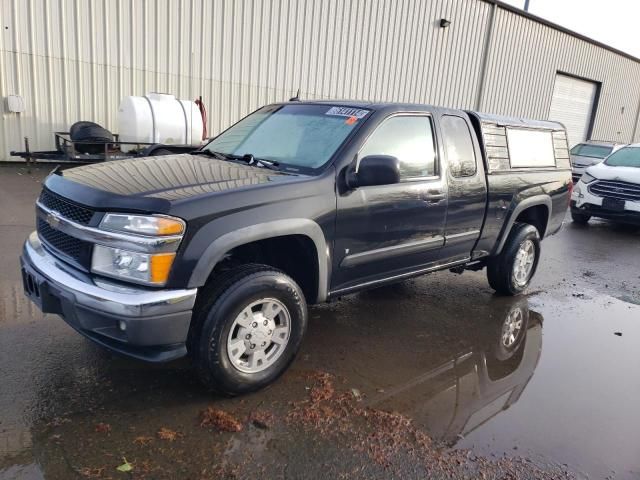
(73, 130)
(90, 132)
(580, 218)
(214, 315)
(500, 268)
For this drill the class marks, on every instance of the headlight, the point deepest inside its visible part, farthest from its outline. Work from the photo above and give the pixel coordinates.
(142, 224)
(151, 269)
(586, 178)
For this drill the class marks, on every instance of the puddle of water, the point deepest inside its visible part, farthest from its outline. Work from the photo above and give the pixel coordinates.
(580, 407)
(567, 394)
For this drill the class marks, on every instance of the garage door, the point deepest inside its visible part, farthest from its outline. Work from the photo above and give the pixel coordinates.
(572, 104)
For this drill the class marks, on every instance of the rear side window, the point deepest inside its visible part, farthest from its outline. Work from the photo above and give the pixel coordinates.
(457, 141)
(410, 140)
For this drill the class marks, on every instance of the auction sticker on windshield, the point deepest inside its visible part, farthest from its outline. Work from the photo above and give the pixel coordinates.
(347, 112)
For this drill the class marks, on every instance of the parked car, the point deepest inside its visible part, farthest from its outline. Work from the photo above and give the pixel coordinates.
(586, 154)
(610, 189)
(216, 254)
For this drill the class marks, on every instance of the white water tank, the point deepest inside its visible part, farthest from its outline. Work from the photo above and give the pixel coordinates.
(159, 118)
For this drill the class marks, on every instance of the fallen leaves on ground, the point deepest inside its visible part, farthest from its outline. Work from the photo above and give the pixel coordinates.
(323, 389)
(168, 434)
(91, 472)
(261, 419)
(219, 419)
(103, 428)
(142, 440)
(125, 467)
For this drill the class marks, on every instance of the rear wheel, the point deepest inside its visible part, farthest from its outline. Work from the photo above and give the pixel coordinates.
(511, 272)
(512, 331)
(580, 218)
(247, 329)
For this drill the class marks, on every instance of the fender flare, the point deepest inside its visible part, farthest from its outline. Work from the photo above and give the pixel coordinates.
(261, 231)
(519, 208)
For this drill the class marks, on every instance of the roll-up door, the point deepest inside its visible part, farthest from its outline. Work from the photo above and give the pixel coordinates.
(572, 104)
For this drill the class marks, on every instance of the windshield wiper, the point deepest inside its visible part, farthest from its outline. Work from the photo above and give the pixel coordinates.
(259, 162)
(211, 153)
(248, 158)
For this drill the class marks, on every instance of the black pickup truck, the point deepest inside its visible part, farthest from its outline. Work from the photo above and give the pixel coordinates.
(217, 253)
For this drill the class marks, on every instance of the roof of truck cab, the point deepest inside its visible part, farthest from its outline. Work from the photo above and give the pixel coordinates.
(371, 105)
(398, 106)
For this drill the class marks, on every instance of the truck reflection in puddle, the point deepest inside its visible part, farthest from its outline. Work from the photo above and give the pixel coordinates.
(477, 382)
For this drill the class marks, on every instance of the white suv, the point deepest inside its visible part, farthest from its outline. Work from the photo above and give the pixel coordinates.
(610, 189)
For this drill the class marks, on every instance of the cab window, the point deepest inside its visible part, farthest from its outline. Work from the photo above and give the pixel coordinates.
(410, 139)
(461, 156)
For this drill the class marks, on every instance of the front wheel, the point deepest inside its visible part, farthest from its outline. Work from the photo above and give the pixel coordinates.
(248, 329)
(511, 272)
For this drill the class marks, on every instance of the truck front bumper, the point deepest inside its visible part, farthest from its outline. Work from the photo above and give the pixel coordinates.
(139, 322)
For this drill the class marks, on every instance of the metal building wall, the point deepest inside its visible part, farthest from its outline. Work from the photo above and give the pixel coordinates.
(524, 57)
(75, 59)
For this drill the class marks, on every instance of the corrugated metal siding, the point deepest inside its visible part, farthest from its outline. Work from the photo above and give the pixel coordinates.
(75, 59)
(524, 58)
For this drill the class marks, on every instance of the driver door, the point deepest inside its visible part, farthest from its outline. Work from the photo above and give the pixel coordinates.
(389, 230)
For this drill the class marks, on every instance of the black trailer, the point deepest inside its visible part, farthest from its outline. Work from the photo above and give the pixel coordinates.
(71, 151)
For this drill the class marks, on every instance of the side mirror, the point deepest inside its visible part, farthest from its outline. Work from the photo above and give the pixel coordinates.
(375, 170)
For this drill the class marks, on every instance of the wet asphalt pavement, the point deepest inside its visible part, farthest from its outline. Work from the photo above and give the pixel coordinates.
(407, 381)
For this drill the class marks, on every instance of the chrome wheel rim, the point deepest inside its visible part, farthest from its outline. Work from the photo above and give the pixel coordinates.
(523, 264)
(259, 335)
(511, 328)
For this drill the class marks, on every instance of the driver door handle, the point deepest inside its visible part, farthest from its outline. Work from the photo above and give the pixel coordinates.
(433, 197)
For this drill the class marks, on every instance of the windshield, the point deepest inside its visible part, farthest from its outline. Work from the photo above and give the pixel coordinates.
(625, 157)
(588, 150)
(300, 137)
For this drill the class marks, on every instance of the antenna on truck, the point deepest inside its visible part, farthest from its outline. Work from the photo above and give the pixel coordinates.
(297, 97)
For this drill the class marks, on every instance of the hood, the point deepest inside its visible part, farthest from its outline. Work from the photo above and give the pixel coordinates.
(153, 183)
(623, 174)
(581, 161)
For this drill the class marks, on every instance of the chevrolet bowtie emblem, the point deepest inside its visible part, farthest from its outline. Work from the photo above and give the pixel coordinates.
(53, 220)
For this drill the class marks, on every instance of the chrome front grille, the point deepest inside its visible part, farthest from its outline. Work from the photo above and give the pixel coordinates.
(616, 189)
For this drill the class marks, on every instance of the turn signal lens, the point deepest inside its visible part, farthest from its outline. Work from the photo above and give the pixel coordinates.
(142, 224)
(168, 226)
(160, 267)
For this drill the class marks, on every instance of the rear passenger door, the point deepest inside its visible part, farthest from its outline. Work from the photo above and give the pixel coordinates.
(467, 186)
(388, 230)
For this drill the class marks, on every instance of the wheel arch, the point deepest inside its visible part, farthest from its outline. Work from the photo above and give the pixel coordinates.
(534, 210)
(221, 246)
